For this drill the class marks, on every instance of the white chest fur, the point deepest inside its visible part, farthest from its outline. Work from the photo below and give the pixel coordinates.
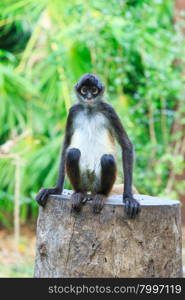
(92, 137)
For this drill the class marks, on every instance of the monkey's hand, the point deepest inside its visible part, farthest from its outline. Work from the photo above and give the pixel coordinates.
(132, 206)
(43, 194)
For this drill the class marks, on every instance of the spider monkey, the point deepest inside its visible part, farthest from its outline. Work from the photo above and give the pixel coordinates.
(88, 153)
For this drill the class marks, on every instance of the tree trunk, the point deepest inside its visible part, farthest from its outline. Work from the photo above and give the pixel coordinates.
(109, 244)
(178, 126)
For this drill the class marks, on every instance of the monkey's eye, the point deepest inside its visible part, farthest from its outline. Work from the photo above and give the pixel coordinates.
(83, 90)
(94, 90)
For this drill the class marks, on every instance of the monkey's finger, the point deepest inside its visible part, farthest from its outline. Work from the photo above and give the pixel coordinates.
(132, 209)
(44, 197)
(41, 203)
(76, 206)
(97, 206)
(136, 210)
(38, 199)
(128, 207)
(97, 209)
(77, 202)
(41, 198)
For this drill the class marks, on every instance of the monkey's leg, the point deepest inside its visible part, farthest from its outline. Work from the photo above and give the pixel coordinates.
(108, 177)
(73, 172)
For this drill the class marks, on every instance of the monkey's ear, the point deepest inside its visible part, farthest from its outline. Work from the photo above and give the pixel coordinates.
(76, 86)
(103, 88)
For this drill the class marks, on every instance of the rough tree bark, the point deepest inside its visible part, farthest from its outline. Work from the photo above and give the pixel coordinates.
(109, 244)
(178, 126)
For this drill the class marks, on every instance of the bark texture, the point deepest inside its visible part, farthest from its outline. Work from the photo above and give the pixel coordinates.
(109, 244)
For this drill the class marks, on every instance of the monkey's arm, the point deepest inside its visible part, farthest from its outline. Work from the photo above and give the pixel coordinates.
(132, 207)
(43, 194)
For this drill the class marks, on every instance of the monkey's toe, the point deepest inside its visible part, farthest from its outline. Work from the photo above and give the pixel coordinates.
(43, 195)
(77, 201)
(132, 207)
(98, 203)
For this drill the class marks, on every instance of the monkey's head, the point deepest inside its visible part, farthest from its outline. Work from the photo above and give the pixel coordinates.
(89, 89)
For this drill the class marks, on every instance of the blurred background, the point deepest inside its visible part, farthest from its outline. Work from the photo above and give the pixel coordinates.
(137, 47)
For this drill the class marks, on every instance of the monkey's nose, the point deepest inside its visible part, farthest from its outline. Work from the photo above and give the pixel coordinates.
(89, 96)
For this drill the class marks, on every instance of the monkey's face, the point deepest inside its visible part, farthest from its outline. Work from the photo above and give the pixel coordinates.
(89, 89)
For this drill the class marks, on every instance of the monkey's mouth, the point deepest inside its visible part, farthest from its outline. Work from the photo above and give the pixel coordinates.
(89, 101)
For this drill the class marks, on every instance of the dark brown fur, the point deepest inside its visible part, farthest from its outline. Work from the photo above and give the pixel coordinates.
(116, 129)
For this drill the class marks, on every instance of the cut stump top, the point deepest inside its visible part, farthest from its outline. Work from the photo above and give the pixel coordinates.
(117, 200)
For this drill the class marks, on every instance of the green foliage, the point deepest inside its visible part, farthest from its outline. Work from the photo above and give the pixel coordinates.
(135, 49)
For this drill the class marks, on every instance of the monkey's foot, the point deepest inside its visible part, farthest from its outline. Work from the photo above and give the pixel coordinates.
(132, 206)
(77, 201)
(98, 203)
(43, 194)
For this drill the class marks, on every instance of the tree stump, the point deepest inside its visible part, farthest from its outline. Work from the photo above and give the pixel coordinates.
(109, 244)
